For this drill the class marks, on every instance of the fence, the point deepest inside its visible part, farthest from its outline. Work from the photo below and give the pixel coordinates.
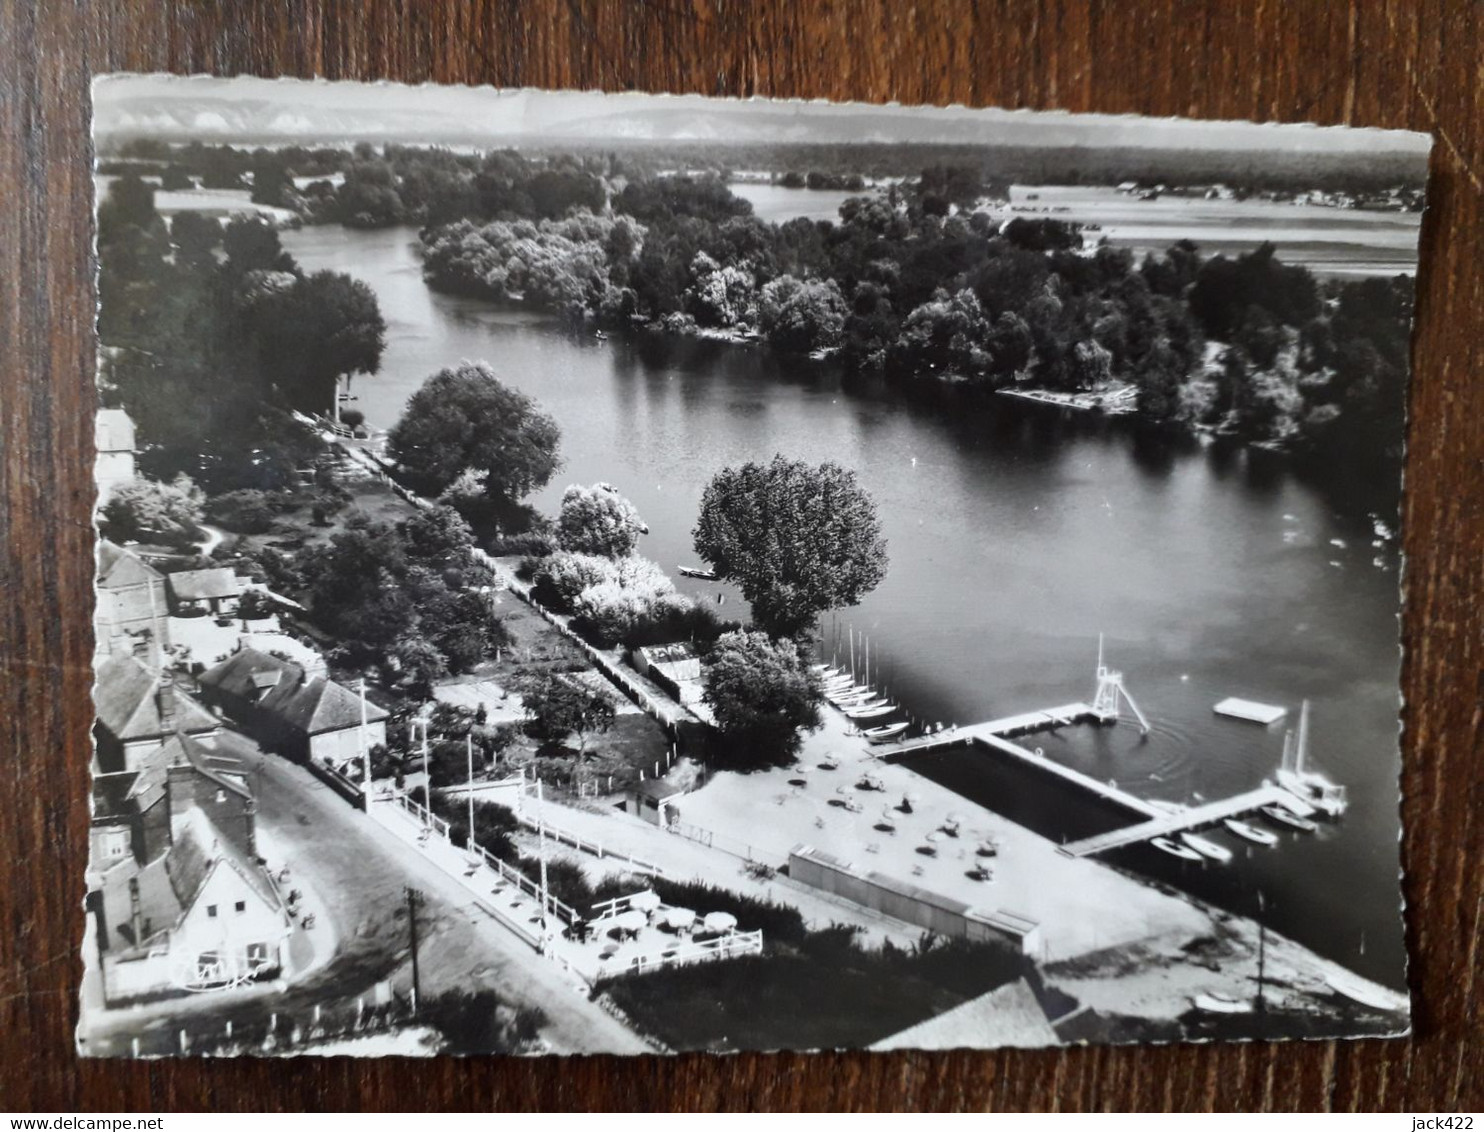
(506, 872)
(730, 845)
(279, 1032)
(721, 947)
(596, 848)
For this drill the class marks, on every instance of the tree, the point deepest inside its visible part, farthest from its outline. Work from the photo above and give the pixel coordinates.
(800, 316)
(558, 706)
(798, 539)
(762, 694)
(464, 419)
(143, 508)
(597, 520)
(324, 326)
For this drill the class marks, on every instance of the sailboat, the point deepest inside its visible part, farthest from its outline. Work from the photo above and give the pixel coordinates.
(1310, 786)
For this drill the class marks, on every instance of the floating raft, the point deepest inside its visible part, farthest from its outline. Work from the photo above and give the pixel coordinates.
(1250, 710)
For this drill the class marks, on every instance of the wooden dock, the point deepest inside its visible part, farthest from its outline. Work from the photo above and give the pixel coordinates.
(1191, 818)
(1023, 724)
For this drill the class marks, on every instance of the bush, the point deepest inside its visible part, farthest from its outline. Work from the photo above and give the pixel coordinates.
(532, 544)
(479, 1022)
(247, 512)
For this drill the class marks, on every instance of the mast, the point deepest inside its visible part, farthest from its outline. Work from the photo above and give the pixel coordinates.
(1262, 949)
(1301, 746)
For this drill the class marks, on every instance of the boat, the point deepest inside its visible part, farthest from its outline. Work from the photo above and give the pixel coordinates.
(697, 572)
(1207, 848)
(884, 734)
(872, 713)
(601, 336)
(1359, 990)
(1175, 849)
(869, 703)
(1310, 786)
(1276, 813)
(849, 692)
(1250, 832)
(1220, 1004)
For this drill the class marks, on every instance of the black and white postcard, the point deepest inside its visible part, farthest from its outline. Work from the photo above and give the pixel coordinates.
(587, 573)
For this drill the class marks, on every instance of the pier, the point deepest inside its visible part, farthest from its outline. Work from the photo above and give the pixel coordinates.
(1024, 724)
(1184, 820)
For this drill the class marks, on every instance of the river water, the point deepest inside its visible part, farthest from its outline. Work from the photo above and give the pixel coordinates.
(1016, 537)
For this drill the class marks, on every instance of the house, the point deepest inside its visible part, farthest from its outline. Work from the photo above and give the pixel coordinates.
(132, 614)
(288, 710)
(138, 708)
(142, 718)
(113, 433)
(215, 591)
(653, 799)
(202, 915)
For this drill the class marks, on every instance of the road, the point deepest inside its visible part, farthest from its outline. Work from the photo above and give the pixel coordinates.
(360, 875)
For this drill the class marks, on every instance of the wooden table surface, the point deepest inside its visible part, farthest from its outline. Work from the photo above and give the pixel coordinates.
(1405, 63)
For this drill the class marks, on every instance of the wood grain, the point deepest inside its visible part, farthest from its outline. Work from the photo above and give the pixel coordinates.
(1404, 63)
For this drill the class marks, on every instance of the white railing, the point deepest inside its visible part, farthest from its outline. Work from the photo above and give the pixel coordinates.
(505, 871)
(728, 946)
(582, 844)
(730, 845)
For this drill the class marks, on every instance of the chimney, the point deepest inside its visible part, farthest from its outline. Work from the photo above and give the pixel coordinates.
(165, 702)
(134, 913)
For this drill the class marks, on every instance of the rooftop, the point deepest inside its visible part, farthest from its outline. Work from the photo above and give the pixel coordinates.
(128, 695)
(310, 705)
(204, 585)
(114, 431)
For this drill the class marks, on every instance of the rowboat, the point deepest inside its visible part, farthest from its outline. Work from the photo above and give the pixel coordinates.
(1220, 1004)
(871, 712)
(884, 734)
(861, 703)
(1207, 848)
(1174, 849)
(1276, 813)
(697, 572)
(849, 692)
(1250, 832)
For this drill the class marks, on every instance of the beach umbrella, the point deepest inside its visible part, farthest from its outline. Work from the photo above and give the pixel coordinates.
(720, 922)
(988, 848)
(679, 918)
(630, 921)
(646, 901)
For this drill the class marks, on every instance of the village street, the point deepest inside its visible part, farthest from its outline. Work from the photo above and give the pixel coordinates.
(360, 876)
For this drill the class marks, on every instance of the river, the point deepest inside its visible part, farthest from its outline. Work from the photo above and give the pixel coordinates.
(1016, 537)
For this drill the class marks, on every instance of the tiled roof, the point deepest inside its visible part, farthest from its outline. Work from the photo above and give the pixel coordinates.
(169, 885)
(202, 585)
(312, 706)
(127, 698)
(220, 767)
(114, 431)
(118, 567)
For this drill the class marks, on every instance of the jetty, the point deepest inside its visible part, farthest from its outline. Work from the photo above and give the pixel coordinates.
(1185, 820)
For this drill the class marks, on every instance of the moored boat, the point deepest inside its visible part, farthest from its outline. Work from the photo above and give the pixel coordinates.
(1220, 1004)
(1250, 832)
(1207, 848)
(697, 572)
(884, 734)
(1174, 849)
(871, 712)
(1315, 789)
(1276, 813)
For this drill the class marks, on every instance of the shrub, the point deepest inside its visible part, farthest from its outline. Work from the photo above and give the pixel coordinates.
(247, 511)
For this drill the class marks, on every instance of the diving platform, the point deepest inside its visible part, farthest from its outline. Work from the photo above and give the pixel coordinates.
(1184, 820)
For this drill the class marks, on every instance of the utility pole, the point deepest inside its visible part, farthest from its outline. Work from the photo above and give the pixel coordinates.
(413, 895)
(365, 751)
(541, 836)
(1262, 948)
(469, 739)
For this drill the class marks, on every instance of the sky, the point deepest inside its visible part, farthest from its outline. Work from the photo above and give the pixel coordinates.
(208, 106)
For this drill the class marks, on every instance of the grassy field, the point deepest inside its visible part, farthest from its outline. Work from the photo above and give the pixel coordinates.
(824, 992)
